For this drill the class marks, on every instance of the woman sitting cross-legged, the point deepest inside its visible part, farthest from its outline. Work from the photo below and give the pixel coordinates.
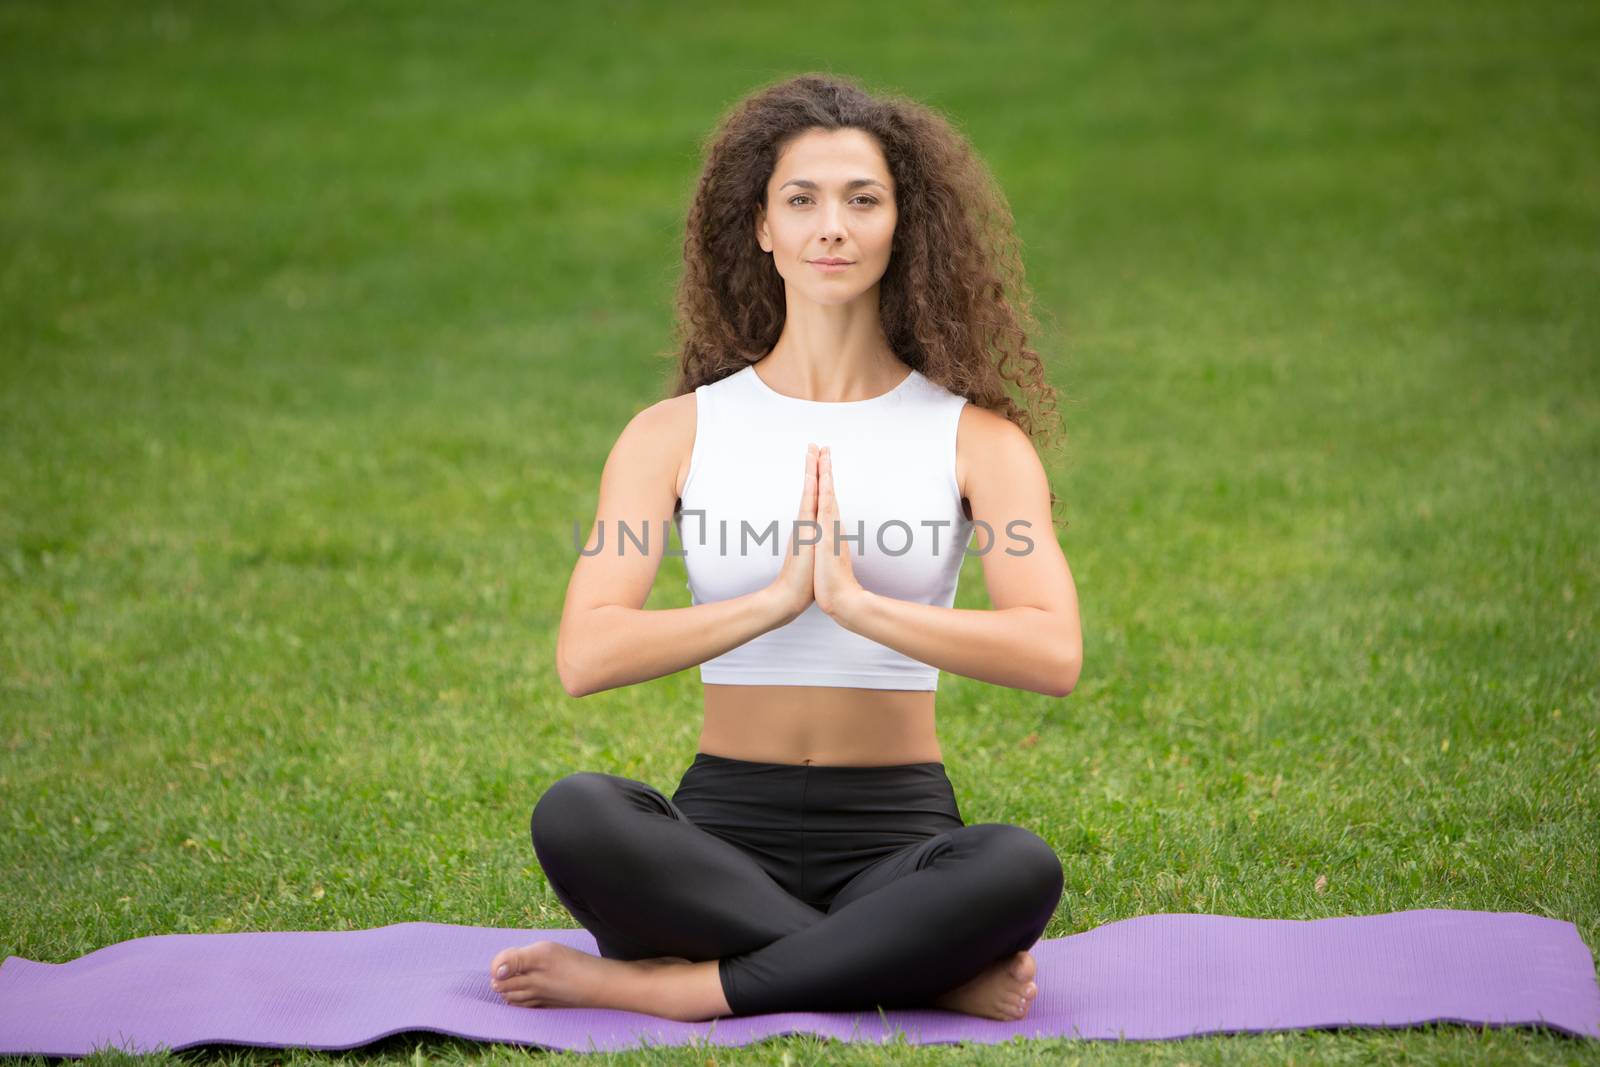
(839, 430)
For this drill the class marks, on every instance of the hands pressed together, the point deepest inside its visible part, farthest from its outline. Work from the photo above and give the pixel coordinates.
(822, 571)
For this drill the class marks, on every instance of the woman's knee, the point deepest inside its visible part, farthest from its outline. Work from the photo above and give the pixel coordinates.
(568, 809)
(1024, 865)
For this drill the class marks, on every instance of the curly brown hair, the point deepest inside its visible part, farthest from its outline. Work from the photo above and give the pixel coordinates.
(953, 302)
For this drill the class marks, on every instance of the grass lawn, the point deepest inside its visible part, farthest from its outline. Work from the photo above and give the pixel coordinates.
(317, 322)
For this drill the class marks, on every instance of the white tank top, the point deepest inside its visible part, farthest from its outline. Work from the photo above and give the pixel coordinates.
(894, 474)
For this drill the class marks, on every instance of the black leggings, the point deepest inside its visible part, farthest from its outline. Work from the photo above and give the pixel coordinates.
(817, 888)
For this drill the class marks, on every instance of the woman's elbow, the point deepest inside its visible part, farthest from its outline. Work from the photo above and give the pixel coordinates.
(1066, 672)
(571, 674)
(570, 683)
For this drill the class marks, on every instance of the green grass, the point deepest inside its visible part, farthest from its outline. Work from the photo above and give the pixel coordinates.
(317, 322)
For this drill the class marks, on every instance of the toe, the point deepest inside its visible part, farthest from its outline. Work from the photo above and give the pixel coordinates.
(517, 962)
(506, 961)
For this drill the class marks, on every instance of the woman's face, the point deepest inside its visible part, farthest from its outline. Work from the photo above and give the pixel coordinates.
(830, 197)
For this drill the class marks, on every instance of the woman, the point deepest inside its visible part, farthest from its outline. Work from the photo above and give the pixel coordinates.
(845, 335)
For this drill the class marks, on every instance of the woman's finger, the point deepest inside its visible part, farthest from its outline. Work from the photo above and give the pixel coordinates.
(825, 480)
(808, 494)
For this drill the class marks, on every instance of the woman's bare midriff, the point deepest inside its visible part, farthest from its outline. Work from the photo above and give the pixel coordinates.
(820, 725)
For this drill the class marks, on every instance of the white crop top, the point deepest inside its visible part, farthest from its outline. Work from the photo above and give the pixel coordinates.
(894, 474)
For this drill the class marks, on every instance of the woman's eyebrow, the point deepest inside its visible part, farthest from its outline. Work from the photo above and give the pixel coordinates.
(806, 183)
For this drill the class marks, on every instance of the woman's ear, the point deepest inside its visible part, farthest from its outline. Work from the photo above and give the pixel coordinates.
(763, 238)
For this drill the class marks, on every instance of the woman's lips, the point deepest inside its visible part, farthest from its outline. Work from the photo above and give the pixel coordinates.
(830, 268)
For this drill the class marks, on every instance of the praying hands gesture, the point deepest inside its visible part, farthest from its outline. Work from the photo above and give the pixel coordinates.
(820, 571)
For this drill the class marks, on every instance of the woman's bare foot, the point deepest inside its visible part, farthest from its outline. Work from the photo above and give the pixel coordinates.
(548, 974)
(1004, 990)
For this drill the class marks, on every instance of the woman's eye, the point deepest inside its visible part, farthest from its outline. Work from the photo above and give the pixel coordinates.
(864, 198)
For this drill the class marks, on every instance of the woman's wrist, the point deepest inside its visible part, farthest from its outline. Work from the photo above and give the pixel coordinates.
(773, 609)
(852, 606)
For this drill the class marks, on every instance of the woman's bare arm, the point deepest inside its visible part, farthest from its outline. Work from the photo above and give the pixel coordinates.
(607, 639)
(1032, 639)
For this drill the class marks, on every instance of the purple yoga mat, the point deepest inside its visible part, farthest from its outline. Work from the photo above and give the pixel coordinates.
(1150, 977)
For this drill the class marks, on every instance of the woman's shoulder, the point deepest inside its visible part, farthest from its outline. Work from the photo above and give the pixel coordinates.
(984, 440)
(666, 430)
